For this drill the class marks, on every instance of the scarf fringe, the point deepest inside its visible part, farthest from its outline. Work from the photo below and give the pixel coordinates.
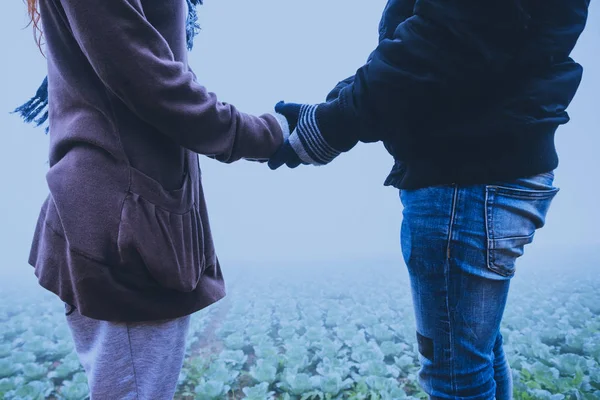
(192, 27)
(36, 109)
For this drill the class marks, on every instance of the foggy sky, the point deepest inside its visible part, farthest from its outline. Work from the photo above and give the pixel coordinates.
(253, 54)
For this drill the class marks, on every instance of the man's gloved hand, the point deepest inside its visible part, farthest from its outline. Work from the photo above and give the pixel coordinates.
(306, 144)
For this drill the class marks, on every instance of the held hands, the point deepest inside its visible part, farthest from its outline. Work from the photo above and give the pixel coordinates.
(306, 144)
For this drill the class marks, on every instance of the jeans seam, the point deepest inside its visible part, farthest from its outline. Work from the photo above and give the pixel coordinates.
(452, 217)
(488, 228)
(447, 276)
(490, 237)
(450, 325)
(137, 390)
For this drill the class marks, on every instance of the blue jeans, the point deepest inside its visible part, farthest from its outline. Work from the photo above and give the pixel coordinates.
(460, 244)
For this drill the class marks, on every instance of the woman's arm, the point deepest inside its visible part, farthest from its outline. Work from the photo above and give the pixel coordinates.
(136, 63)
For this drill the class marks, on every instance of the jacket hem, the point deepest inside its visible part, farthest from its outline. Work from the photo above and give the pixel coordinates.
(112, 293)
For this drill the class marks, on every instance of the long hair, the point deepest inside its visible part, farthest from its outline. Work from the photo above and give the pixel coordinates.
(36, 109)
(34, 17)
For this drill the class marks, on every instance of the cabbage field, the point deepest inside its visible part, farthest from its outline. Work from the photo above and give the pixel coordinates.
(331, 332)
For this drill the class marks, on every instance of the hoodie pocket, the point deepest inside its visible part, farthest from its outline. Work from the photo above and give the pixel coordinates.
(162, 230)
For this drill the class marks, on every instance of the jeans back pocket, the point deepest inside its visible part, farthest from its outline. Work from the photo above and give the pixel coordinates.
(513, 214)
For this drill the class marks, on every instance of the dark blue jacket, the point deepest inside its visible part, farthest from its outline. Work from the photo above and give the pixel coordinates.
(463, 91)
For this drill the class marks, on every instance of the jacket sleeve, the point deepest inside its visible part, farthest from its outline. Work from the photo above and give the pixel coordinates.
(393, 14)
(446, 50)
(135, 63)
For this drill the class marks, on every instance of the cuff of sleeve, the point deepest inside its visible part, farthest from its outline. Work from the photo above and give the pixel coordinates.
(311, 137)
(283, 123)
(337, 124)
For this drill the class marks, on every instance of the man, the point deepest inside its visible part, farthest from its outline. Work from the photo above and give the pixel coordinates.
(466, 96)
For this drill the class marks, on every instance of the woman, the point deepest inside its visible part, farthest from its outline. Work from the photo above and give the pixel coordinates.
(123, 238)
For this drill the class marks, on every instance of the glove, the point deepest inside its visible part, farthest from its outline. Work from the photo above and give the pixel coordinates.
(307, 144)
(338, 88)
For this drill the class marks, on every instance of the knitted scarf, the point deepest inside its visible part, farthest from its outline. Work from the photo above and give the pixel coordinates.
(36, 109)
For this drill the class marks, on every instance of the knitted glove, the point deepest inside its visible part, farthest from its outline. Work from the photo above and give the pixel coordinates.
(338, 88)
(307, 144)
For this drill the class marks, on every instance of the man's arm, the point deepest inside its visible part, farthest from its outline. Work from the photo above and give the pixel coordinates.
(449, 51)
(394, 13)
(448, 48)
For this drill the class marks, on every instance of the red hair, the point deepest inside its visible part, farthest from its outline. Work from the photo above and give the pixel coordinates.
(34, 16)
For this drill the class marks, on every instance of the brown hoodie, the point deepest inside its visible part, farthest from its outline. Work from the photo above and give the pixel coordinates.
(124, 234)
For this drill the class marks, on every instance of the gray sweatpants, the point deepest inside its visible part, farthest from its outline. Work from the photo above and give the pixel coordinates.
(123, 361)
